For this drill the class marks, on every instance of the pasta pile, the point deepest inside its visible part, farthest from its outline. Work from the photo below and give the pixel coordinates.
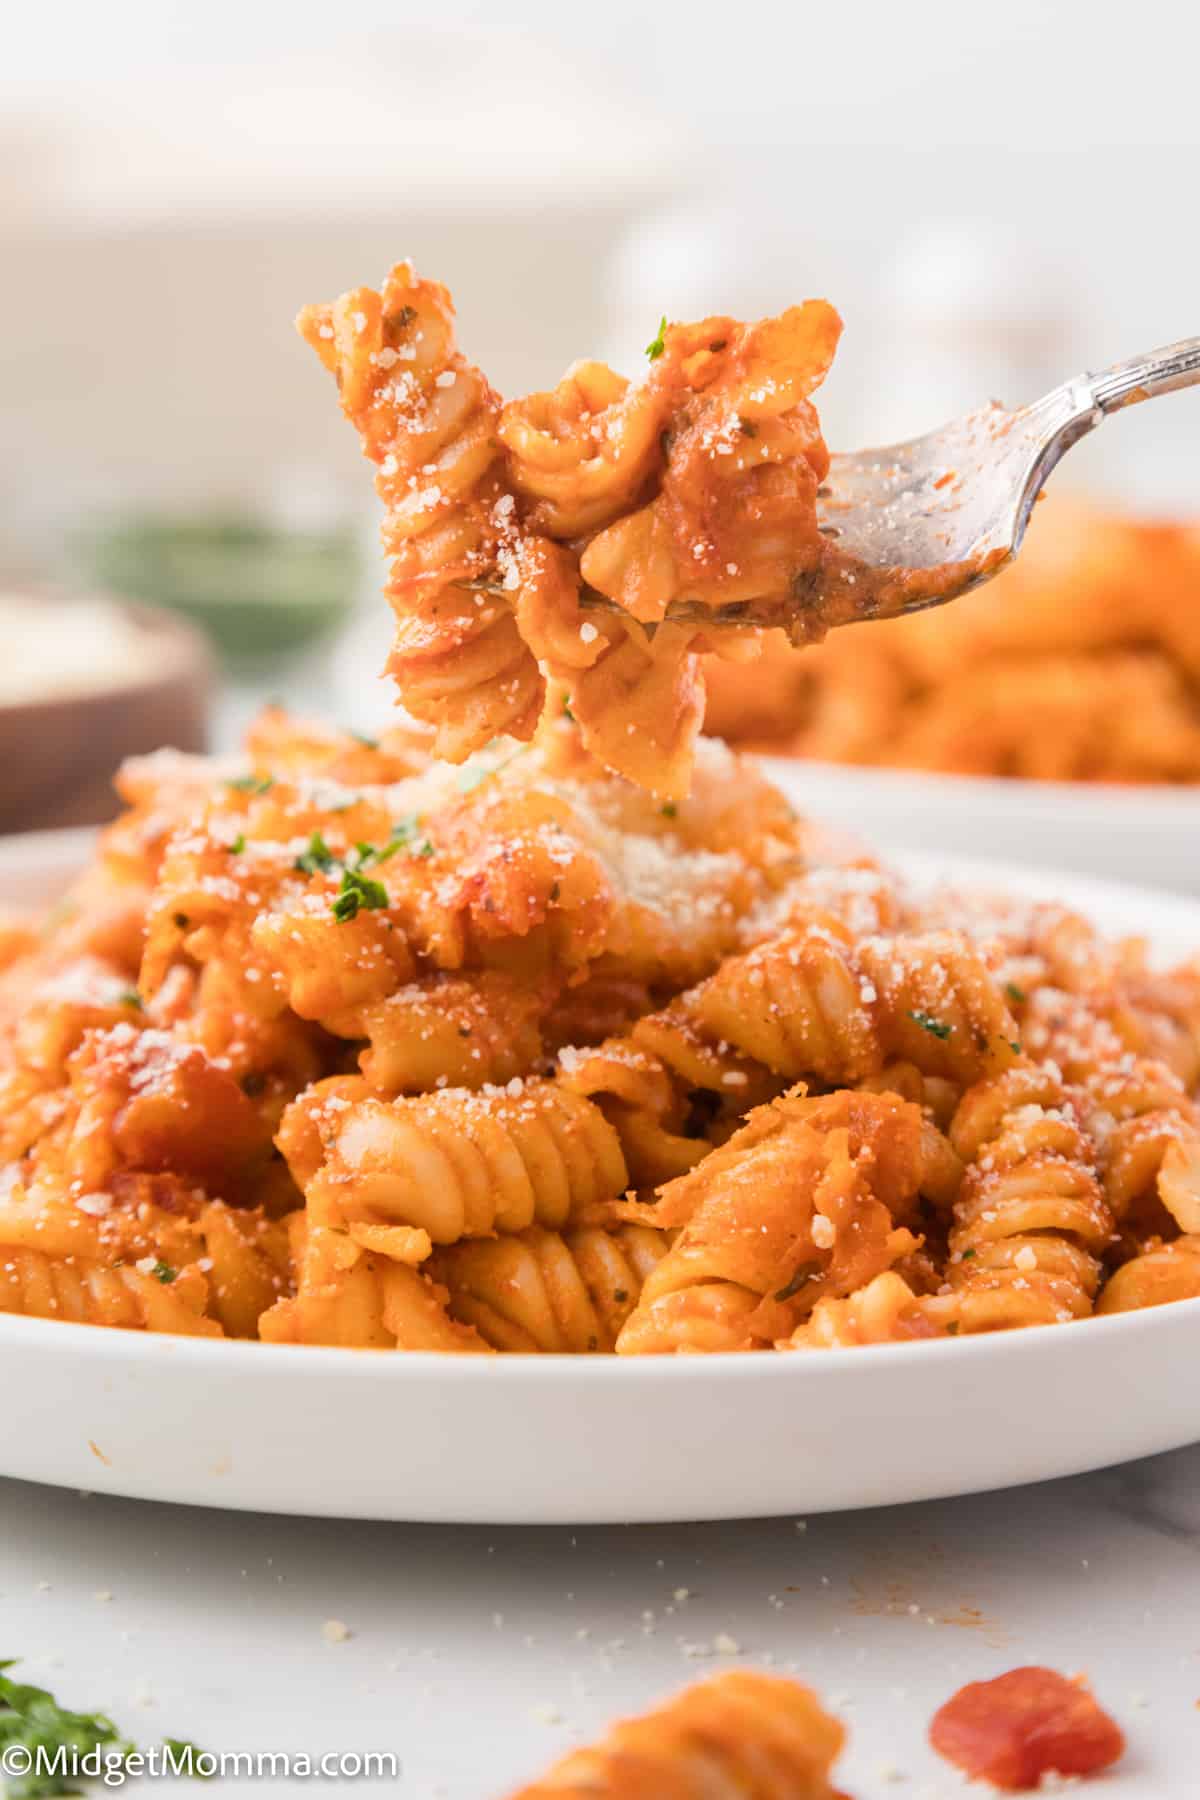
(340, 1045)
(698, 482)
(1079, 663)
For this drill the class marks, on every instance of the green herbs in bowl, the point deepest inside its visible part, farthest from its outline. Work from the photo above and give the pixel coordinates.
(256, 589)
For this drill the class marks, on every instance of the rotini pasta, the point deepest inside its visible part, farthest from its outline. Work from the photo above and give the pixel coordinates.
(346, 1047)
(738, 1736)
(697, 482)
(550, 1290)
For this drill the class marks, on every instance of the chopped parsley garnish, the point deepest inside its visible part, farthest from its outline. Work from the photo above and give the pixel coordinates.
(357, 891)
(1016, 994)
(164, 1272)
(238, 844)
(935, 1027)
(130, 997)
(318, 859)
(952, 1328)
(32, 1720)
(368, 743)
(425, 848)
(670, 810)
(657, 344)
(804, 1273)
(401, 832)
(567, 713)
(967, 1254)
(252, 784)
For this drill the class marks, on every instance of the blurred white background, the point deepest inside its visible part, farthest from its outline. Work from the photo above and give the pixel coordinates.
(994, 196)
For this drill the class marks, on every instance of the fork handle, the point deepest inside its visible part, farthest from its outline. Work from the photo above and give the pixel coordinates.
(1144, 377)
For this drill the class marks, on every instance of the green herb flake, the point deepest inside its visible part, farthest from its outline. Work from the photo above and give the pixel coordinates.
(968, 1254)
(357, 891)
(567, 713)
(803, 1274)
(165, 1273)
(935, 1027)
(670, 810)
(318, 859)
(1016, 994)
(424, 849)
(186, 1758)
(402, 831)
(368, 743)
(238, 844)
(657, 344)
(130, 997)
(252, 784)
(952, 1328)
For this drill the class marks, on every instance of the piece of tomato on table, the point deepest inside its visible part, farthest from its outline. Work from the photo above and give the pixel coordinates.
(1024, 1724)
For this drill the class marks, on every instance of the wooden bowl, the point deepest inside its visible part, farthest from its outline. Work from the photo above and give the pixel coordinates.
(58, 755)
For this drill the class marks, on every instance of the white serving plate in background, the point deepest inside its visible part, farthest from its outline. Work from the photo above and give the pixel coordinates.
(577, 1440)
(1122, 833)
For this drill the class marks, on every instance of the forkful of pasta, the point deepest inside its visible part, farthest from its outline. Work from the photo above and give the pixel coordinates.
(575, 554)
(916, 524)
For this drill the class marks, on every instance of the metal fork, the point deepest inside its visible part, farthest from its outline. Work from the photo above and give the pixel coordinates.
(916, 524)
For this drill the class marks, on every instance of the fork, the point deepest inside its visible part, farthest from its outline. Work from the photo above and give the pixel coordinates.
(916, 524)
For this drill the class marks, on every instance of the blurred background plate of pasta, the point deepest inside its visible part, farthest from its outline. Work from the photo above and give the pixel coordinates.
(1052, 716)
(553, 1439)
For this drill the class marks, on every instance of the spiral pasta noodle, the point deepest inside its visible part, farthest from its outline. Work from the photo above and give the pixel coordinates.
(1146, 1126)
(1158, 1275)
(802, 1202)
(1031, 1220)
(428, 420)
(461, 1163)
(738, 1735)
(539, 1290)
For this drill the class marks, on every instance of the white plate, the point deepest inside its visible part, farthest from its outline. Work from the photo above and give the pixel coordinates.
(581, 1440)
(1121, 833)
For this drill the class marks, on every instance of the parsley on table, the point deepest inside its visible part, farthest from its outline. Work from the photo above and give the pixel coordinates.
(657, 344)
(186, 1755)
(31, 1719)
(935, 1027)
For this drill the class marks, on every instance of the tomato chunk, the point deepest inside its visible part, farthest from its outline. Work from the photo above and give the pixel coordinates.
(1019, 1727)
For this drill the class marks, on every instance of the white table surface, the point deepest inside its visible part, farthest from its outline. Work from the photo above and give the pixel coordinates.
(478, 1655)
